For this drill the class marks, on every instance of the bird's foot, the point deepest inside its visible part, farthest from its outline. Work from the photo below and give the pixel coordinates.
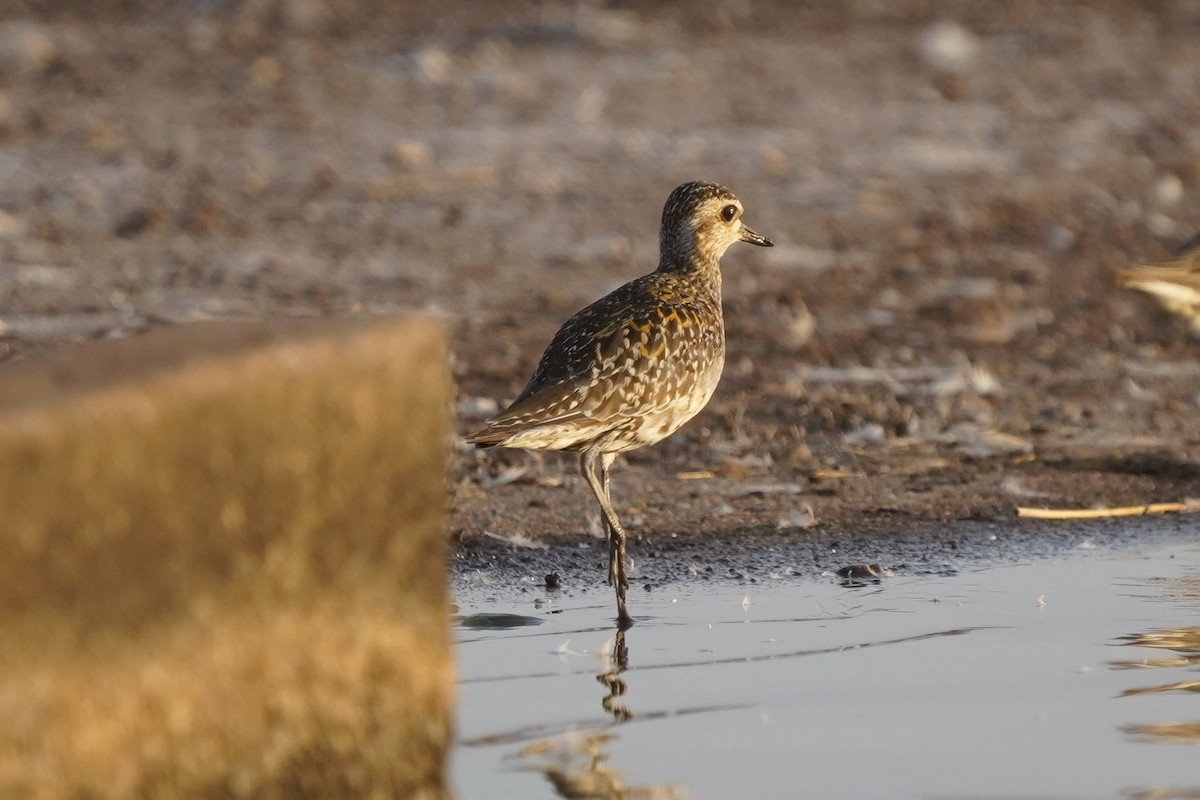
(624, 621)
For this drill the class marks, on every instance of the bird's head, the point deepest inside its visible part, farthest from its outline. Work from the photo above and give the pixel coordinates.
(700, 221)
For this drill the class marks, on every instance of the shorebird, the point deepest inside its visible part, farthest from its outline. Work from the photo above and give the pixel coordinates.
(1175, 282)
(635, 365)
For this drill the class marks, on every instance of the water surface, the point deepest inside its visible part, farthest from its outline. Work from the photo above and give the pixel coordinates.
(1075, 676)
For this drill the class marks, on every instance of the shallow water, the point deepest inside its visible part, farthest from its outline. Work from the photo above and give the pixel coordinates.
(1076, 676)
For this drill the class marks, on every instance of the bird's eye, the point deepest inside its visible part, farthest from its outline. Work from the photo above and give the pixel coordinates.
(728, 213)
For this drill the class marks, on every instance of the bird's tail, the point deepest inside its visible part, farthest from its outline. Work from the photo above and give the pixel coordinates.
(487, 437)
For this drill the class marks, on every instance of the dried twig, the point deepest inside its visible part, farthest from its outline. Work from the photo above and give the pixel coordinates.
(1185, 507)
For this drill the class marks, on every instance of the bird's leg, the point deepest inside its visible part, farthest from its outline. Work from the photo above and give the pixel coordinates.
(587, 466)
(605, 462)
(616, 554)
(599, 484)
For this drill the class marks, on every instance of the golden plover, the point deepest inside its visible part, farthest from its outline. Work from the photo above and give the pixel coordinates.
(1175, 283)
(635, 365)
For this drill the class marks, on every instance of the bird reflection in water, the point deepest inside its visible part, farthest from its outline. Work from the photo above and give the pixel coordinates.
(1178, 651)
(576, 766)
(612, 680)
(1184, 644)
(576, 763)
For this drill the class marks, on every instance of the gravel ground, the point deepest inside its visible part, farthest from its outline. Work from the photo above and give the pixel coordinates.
(936, 336)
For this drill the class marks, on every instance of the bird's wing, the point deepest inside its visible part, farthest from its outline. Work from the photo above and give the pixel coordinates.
(1175, 283)
(1183, 271)
(611, 361)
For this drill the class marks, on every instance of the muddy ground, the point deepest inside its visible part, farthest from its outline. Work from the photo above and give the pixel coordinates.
(935, 338)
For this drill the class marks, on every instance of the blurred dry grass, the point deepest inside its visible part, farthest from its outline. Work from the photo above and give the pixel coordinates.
(225, 576)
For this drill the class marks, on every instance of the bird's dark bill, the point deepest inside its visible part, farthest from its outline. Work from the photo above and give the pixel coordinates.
(755, 238)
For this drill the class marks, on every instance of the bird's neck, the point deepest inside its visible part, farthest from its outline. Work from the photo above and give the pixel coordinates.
(701, 277)
(685, 257)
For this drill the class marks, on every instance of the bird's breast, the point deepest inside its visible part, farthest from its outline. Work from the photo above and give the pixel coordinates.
(678, 394)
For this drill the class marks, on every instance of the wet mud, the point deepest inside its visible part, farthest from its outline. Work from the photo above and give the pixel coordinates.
(935, 340)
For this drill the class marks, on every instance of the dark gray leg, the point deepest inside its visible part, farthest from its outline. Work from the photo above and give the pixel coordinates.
(594, 466)
(616, 547)
(605, 463)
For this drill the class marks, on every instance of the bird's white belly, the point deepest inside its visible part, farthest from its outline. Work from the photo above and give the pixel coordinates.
(658, 425)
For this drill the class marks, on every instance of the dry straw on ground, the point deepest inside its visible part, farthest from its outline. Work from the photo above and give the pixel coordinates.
(1185, 507)
(224, 576)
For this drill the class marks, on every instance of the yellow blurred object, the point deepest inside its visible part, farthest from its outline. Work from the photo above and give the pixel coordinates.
(224, 566)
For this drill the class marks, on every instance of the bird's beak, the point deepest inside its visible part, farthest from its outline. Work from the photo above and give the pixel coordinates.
(750, 236)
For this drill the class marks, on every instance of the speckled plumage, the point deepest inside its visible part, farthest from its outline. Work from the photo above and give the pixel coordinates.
(1175, 283)
(638, 363)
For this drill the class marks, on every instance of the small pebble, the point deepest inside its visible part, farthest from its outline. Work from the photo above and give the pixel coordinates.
(411, 154)
(948, 46)
(25, 48)
(266, 72)
(1168, 190)
(433, 64)
(305, 15)
(11, 226)
(860, 571)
